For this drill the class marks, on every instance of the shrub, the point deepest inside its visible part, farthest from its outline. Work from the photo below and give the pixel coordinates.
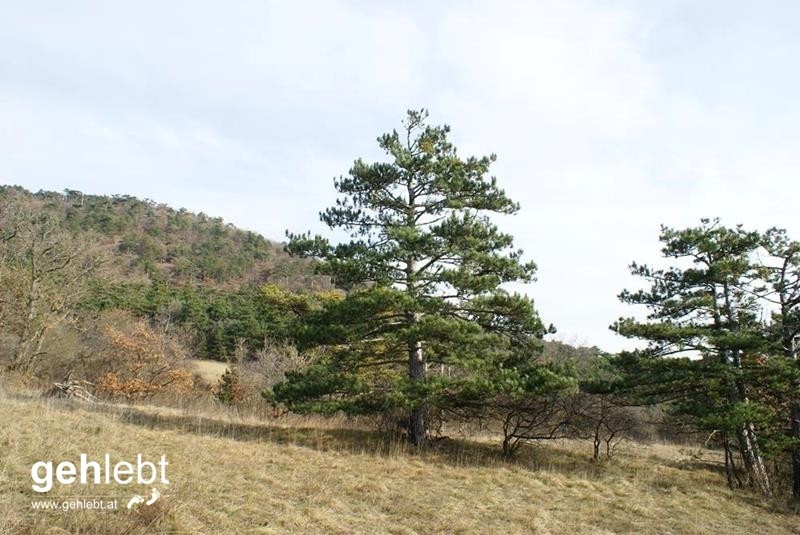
(228, 390)
(145, 363)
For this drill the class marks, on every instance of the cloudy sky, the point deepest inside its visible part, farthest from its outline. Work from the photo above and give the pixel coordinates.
(608, 118)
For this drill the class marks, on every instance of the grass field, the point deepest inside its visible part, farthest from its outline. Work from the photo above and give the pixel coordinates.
(230, 474)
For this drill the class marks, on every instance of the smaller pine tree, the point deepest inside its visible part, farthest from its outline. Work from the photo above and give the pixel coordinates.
(228, 390)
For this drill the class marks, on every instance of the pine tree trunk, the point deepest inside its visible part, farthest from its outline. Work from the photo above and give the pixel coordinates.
(795, 416)
(749, 450)
(734, 481)
(746, 435)
(417, 424)
(790, 344)
(751, 457)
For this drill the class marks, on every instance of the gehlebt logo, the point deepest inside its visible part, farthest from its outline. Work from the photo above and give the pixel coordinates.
(46, 474)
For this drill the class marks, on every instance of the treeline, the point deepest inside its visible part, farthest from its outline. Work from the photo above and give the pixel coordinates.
(221, 322)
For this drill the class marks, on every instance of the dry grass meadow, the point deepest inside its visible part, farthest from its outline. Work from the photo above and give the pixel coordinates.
(208, 370)
(235, 474)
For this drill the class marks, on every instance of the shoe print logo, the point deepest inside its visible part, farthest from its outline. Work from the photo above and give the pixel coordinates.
(137, 499)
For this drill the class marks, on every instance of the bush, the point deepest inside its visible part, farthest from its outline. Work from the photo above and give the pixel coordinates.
(144, 363)
(228, 390)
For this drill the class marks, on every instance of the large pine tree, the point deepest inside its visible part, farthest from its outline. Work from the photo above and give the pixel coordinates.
(426, 323)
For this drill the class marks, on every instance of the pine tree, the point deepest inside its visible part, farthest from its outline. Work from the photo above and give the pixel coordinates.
(704, 308)
(426, 323)
(782, 274)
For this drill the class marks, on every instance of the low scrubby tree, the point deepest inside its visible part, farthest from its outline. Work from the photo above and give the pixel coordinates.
(143, 363)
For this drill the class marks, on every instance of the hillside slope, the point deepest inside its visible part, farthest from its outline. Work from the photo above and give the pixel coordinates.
(157, 242)
(233, 476)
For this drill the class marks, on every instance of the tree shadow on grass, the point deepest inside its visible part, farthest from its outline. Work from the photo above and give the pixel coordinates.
(716, 469)
(451, 452)
(455, 452)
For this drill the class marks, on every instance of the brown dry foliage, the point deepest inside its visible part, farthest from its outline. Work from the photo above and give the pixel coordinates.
(147, 364)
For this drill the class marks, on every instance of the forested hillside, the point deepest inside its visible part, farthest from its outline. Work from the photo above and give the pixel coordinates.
(155, 242)
(71, 261)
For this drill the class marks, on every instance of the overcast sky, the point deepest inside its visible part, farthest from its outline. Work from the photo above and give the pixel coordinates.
(608, 118)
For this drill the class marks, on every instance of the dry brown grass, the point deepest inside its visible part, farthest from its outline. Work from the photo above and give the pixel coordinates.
(234, 474)
(209, 371)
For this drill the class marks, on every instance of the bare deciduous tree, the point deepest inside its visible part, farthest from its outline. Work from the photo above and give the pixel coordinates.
(44, 272)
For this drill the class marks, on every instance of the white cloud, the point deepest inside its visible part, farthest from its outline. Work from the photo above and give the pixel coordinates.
(569, 65)
(608, 118)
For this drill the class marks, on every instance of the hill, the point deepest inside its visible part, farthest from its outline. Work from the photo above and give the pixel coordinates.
(233, 475)
(151, 241)
(67, 258)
